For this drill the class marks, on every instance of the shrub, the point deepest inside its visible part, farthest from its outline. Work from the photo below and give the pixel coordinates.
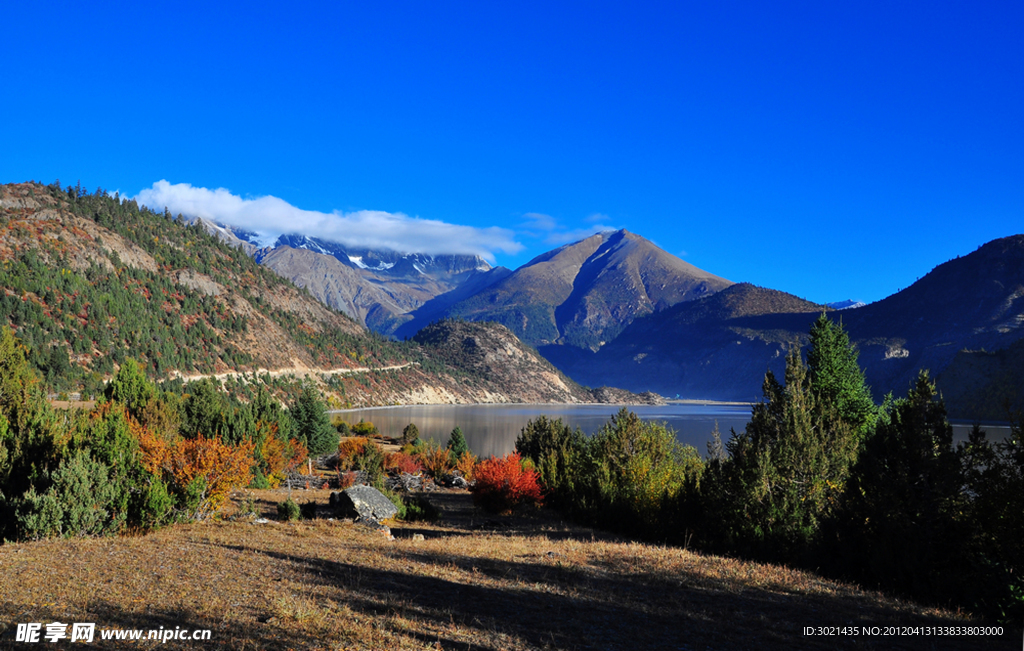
(436, 461)
(365, 428)
(207, 470)
(504, 484)
(371, 462)
(402, 462)
(466, 465)
(349, 449)
(288, 510)
(419, 508)
(558, 454)
(346, 479)
(410, 434)
(635, 473)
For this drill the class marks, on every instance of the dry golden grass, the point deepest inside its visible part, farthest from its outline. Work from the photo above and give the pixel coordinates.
(472, 582)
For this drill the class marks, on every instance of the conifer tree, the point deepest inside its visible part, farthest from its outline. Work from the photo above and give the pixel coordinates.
(836, 379)
(312, 424)
(457, 443)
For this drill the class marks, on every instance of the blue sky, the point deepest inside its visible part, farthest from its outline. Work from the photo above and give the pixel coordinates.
(831, 150)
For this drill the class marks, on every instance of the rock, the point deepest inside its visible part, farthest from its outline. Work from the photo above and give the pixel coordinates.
(364, 503)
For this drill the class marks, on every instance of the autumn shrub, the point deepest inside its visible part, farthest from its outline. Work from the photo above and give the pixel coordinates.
(436, 461)
(348, 449)
(402, 462)
(346, 479)
(206, 471)
(279, 457)
(466, 465)
(504, 484)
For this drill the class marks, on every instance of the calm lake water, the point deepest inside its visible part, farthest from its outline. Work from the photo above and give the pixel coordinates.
(492, 429)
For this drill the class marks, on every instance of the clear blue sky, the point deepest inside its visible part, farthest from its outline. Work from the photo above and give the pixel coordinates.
(831, 150)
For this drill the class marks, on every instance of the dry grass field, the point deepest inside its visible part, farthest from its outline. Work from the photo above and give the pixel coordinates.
(471, 582)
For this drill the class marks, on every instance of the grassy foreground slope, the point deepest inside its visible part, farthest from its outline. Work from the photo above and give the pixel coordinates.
(473, 582)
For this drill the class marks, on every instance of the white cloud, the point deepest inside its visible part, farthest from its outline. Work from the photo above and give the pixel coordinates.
(539, 221)
(576, 234)
(374, 229)
(539, 225)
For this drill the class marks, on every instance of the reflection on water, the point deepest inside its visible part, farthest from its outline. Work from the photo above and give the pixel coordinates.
(492, 429)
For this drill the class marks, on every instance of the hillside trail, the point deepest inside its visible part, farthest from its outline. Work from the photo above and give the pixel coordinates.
(298, 371)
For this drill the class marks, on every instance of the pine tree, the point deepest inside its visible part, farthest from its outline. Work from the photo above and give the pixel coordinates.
(784, 473)
(457, 443)
(836, 379)
(312, 424)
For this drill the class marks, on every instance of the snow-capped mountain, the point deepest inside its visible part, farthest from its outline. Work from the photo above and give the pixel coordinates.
(848, 304)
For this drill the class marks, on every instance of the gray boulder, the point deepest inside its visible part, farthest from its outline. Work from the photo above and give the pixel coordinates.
(364, 503)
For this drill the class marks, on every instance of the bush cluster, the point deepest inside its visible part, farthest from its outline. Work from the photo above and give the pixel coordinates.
(142, 458)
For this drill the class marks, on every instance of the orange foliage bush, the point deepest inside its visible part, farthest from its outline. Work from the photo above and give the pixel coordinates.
(350, 448)
(220, 467)
(281, 456)
(435, 460)
(466, 465)
(503, 484)
(402, 462)
(346, 479)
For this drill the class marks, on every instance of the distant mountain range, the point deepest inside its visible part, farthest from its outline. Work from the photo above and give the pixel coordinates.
(87, 281)
(614, 309)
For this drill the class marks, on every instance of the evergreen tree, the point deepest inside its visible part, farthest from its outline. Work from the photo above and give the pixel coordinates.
(410, 434)
(784, 473)
(457, 443)
(902, 525)
(835, 378)
(203, 410)
(312, 424)
(130, 387)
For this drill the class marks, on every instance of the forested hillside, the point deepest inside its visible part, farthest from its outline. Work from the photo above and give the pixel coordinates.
(88, 280)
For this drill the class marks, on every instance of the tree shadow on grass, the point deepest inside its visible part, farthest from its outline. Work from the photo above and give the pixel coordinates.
(550, 604)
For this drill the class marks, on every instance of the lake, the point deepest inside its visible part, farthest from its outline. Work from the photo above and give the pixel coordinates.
(492, 429)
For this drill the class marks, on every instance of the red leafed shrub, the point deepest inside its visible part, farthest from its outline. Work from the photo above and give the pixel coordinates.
(504, 484)
(346, 479)
(402, 462)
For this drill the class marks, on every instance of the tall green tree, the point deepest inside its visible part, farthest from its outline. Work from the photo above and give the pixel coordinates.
(312, 425)
(784, 473)
(130, 387)
(835, 377)
(457, 445)
(903, 525)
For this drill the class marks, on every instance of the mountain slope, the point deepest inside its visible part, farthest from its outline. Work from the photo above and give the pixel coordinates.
(717, 347)
(378, 288)
(720, 346)
(89, 280)
(584, 294)
(973, 302)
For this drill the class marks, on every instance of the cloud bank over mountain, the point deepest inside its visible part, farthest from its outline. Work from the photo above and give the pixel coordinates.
(375, 229)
